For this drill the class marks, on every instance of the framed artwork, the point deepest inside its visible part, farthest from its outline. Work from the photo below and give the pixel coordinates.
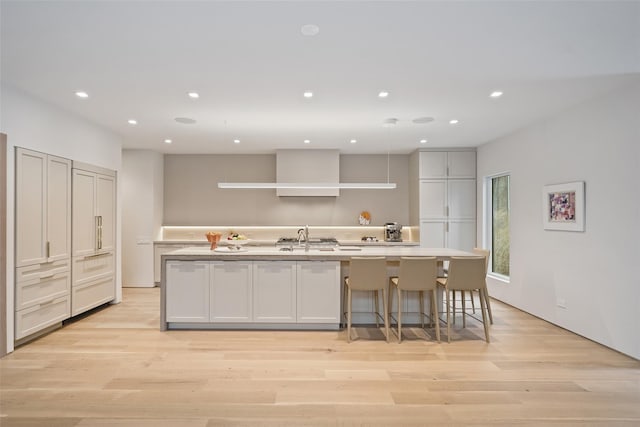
(563, 206)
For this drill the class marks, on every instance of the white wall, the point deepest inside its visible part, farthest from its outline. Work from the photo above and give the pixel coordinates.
(597, 272)
(31, 123)
(142, 200)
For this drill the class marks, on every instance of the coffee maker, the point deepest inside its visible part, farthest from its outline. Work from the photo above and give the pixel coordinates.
(392, 232)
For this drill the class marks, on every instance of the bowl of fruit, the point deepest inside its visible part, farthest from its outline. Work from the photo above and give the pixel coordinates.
(236, 241)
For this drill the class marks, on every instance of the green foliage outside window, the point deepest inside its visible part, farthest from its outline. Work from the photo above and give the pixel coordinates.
(500, 224)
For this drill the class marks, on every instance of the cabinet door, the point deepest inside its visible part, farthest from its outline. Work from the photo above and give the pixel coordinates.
(318, 292)
(274, 291)
(58, 208)
(433, 164)
(158, 251)
(433, 234)
(461, 198)
(31, 216)
(105, 210)
(461, 164)
(461, 235)
(433, 199)
(84, 215)
(231, 291)
(187, 291)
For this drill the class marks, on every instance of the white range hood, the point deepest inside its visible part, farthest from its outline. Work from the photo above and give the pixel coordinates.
(300, 167)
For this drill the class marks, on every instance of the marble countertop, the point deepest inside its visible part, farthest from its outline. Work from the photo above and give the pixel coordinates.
(341, 253)
(273, 242)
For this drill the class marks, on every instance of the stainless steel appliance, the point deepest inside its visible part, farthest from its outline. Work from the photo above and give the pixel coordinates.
(392, 232)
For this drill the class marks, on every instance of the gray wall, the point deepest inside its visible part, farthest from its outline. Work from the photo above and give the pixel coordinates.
(597, 271)
(191, 195)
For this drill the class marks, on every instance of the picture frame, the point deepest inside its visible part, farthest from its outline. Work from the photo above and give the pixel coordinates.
(563, 206)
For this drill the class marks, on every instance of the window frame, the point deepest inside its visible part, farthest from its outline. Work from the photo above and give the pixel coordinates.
(487, 235)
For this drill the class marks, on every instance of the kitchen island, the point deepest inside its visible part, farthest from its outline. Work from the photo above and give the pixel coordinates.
(260, 287)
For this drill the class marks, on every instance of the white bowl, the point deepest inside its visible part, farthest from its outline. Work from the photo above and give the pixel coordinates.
(236, 243)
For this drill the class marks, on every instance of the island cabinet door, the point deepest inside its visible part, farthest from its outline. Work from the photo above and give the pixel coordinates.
(274, 291)
(318, 292)
(187, 291)
(231, 291)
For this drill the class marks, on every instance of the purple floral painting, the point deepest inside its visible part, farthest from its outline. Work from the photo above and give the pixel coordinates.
(562, 206)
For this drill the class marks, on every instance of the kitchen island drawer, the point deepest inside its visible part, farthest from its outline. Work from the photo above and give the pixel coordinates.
(87, 269)
(40, 290)
(33, 319)
(92, 294)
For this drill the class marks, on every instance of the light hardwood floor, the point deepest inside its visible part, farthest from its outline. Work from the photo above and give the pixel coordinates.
(115, 367)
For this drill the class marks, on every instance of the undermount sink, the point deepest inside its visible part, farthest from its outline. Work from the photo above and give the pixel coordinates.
(290, 243)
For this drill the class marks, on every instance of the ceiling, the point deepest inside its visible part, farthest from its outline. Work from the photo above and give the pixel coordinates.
(250, 64)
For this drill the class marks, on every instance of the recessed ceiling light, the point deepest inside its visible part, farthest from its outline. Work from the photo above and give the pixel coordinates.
(308, 94)
(453, 121)
(193, 95)
(185, 120)
(496, 94)
(383, 94)
(423, 141)
(236, 141)
(353, 141)
(306, 141)
(81, 94)
(168, 141)
(310, 30)
(132, 122)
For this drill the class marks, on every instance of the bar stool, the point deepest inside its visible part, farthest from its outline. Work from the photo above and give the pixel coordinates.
(466, 274)
(485, 253)
(367, 274)
(416, 274)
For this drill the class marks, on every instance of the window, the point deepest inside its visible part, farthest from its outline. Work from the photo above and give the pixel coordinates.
(497, 230)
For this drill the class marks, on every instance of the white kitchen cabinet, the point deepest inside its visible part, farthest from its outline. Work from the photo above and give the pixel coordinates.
(447, 164)
(457, 234)
(433, 199)
(40, 316)
(160, 249)
(43, 241)
(318, 292)
(447, 199)
(93, 212)
(231, 298)
(188, 287)
(93, 244)
(43, 208)
(274, 291)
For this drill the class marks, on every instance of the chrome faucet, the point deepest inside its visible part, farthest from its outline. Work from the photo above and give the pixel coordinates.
(303, 234)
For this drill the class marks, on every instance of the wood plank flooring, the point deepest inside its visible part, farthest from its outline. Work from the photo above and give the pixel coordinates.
(115, 367)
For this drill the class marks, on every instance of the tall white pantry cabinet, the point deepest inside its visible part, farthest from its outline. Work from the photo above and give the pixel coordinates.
(43, 241)
(51, 272)
(447, 199)
(93, 231)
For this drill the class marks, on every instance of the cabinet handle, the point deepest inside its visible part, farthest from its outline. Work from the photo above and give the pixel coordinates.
(97, 230)
(446, 227)
(47, 276)
(94, 255)
(42, 304)
(446, 209)
(48, 249)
